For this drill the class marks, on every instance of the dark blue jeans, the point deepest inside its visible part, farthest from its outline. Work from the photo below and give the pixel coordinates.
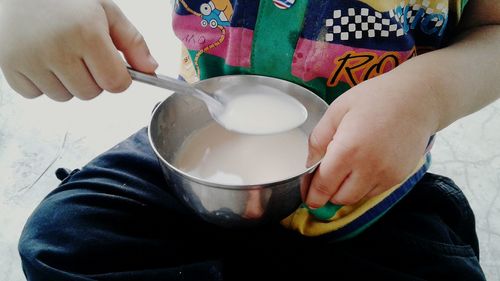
(116, 219)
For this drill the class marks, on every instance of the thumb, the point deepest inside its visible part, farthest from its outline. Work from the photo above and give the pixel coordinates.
(323, 133)
(128, 39)
(318, 142)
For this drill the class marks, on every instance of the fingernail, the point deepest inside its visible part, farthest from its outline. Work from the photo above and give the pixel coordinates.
(315, 198)
(312, 201)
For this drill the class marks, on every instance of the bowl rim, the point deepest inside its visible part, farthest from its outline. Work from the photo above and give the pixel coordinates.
(256, 186)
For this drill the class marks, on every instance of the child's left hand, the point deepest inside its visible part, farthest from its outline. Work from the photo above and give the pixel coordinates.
(371, 138)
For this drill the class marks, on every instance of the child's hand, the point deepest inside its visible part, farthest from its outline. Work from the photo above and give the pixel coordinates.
(372, 138)
(68, 48)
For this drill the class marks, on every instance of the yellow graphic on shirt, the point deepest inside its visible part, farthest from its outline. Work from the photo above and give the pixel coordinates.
(451, 7)
(225, 7)
(384, 6)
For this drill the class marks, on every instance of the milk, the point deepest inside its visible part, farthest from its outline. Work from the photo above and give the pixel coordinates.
(259, 109)
(221, 156)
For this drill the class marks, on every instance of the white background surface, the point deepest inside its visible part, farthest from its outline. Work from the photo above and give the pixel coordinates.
(37, 136)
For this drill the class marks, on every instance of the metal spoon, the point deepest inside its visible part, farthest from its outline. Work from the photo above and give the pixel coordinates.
(215, 107)
(245, 118)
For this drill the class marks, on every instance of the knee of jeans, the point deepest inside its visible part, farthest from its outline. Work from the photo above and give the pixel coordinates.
(29, 251)
(38, 243)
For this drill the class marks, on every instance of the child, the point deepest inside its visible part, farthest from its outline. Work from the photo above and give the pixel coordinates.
(116, 220)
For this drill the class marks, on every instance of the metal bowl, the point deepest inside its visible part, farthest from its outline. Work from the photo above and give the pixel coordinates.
(179, 115)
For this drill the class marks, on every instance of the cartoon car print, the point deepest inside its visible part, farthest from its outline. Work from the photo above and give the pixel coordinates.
(211, 16)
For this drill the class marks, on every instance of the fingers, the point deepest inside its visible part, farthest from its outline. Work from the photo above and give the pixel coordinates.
(333, 170)
(329, 176)
(78, 80)
(375, 191)
(80, 59)
(22, 84)
(48, 83)
(354, 188)
(106, 66)
(334, 182)
(69, 81)
(128, 39)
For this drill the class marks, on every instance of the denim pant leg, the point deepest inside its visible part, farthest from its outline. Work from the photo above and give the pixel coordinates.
(116, 219)
(429, 235)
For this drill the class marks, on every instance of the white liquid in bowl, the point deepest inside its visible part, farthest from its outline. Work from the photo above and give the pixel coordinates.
(224, 157)
(259, 110)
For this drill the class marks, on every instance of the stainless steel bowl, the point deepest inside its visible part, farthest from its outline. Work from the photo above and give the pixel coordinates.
(227, 205)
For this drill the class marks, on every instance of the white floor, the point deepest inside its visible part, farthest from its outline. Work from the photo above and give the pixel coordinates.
(37, 136)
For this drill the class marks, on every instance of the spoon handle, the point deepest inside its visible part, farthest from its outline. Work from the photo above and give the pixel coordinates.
(175, 85)
(158, 80)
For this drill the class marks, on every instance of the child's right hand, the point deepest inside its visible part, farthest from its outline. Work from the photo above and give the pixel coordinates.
(68, 48)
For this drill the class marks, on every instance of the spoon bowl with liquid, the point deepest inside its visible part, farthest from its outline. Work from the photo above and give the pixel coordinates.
(244, 108)
(228, 178)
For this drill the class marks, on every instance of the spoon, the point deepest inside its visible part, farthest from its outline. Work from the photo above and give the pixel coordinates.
(215, 107)
(246, 109)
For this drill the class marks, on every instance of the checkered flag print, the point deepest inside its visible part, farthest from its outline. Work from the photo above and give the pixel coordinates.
(361, 23)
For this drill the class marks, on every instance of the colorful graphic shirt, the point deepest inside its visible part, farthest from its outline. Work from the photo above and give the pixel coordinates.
(326, 46)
